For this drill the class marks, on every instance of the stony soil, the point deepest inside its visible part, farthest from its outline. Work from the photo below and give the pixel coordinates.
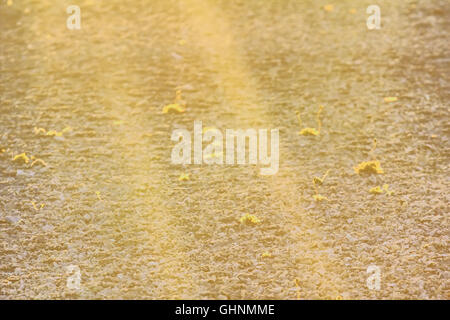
(113, 204)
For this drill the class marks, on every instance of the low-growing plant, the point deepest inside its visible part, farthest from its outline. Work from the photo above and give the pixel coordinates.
(310, 131)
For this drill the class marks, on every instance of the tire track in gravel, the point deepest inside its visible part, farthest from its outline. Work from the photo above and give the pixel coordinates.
(116, 227)
(357, 234)
(236, 269)
(142, 171)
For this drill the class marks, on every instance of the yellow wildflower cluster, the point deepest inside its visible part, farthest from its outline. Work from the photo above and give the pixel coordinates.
(249, 219)
(22, 157)
(379, 190)
(25, 159)
(184, 177)
(179, 105)
(37, 208)
(318, 182)
(311, 131)
(52, 133)
(369, 167)
(320, 198)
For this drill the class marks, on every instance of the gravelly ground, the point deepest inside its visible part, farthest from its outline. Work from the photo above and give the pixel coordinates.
(114, 206)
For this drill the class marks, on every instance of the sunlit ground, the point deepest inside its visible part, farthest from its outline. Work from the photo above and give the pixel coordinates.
(95, 191)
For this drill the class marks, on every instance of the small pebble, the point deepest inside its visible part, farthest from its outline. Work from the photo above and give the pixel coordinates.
(12, 219)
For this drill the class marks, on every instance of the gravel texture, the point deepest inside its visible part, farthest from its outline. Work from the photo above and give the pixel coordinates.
(107, 199)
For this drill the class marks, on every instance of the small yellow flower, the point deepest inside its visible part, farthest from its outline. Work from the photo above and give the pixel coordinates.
(320, 198)
(379, 190)
(352, 11)
(319, 181)
(22, 156)
(266, 255)
(42, 205)
(386, 189)
(118, 122)
(369, 167)
(249, 219)
(184, 177)
(98, 195)
(54, 133)
(390, 99)
(309, 132)
(178, 106)
(173, 108)
(376, 190)
(39, 130)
